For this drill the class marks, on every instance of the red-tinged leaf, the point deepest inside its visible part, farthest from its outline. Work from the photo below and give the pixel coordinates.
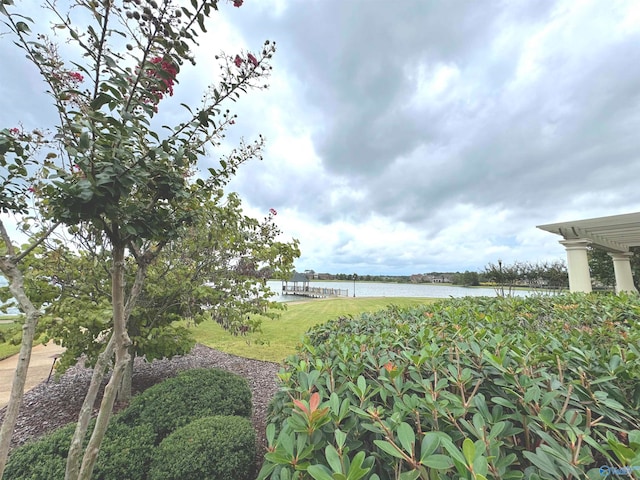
(314, 401)
(301, 406)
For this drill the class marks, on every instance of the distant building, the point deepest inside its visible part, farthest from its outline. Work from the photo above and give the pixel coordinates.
(430, 278)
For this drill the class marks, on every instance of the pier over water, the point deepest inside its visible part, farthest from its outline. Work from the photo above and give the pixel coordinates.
(298, 284)
(313, 292)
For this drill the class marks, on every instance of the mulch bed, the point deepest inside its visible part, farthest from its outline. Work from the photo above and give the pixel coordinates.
(51, 405)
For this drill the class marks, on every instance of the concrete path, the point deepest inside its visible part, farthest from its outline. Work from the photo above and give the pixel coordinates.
(42, 357)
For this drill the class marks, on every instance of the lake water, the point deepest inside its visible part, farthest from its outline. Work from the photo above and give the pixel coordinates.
(380, 289)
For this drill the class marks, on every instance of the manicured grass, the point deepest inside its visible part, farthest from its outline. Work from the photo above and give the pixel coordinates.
(6, 349)
(279, 338)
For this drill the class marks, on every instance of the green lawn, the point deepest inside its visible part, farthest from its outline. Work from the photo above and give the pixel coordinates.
(279, 338)
(6, 349)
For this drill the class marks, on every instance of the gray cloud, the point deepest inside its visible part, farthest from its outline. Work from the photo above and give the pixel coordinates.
(459, 124)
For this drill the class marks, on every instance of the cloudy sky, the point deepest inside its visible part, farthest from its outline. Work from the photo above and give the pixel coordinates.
(410, 136)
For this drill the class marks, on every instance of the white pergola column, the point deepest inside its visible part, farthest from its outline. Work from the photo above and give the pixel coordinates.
(578, 265)
(622, 269)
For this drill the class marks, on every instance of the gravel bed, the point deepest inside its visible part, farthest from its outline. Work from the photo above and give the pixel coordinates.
(51, 405)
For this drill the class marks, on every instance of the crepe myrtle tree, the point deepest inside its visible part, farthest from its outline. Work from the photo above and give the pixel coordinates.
(129, 185)
(220, 262)
(19, 177)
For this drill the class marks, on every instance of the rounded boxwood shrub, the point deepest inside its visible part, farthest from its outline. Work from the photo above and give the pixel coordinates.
(125, 453)
(210, 448)
(190, 395)
(42, 459)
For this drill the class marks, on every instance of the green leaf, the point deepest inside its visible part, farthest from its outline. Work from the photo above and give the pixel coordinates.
(271, 433)
(285, 439)
(504, 402)
(388, 448)
(547, 415)
(623, 452)
(532, 394)
(410, 475)
(543, 462)
(453, 450)
(430, 443)
(362, 385)
(100, 100)
(22, 27)
(407, 437)
(468, 450)
(266, 470)
(437, 461)
(85, 141)
(319, 472)
(356, 471)
(341, 438)
(497, 429)
(480, 465)
(479, 424)
(333, 458)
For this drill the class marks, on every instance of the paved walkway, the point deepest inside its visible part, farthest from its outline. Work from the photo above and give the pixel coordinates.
(39, 367)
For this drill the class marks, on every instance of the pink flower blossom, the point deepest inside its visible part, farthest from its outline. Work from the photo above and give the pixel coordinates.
(171, 71)
(76, 77)
(238, 61)
(253, 60)
(232, 122)
(31, 189)
(273, 211)
(237, 3)
(14, 131)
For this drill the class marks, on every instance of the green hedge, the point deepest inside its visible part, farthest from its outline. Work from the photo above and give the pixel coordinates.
(499, 388)
(210, 448)
(190, 395)
(43, 459)
(125, 454)
(132, 436)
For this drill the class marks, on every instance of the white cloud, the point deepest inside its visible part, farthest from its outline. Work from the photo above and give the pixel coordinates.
(419, 136)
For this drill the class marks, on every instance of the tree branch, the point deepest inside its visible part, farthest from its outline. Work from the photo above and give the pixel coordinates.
(45, 235)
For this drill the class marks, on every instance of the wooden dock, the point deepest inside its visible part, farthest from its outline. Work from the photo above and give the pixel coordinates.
(314, 292)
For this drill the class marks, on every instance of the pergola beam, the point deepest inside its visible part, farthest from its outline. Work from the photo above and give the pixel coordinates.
(616, 234)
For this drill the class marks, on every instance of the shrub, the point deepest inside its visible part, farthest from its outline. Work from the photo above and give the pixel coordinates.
(500, 388)
(43, 459)
(125, 453)
(190, 395)
(210, 448)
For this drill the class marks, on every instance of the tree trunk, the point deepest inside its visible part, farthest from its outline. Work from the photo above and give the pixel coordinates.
(121, 346)
(75, 450)
(124, 393)
(143, 261)
(16, 286)
(73, 458)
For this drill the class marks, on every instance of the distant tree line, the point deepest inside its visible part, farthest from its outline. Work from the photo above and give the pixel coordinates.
(550, 275)
(543, 275)
(312, 275)
(601, 266)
